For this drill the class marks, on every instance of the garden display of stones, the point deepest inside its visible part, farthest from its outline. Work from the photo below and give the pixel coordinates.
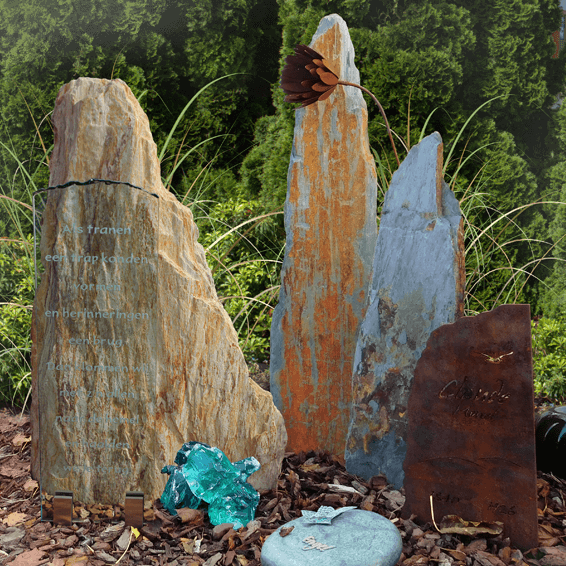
(310, 478)
(353, 538)
(330, 221)
(177, 369)
(471, 431)
(417, 285)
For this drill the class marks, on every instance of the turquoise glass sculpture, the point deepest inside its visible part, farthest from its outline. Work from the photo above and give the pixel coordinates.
(204, 473)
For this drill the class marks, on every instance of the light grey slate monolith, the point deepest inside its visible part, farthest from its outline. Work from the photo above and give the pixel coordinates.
(417, 285)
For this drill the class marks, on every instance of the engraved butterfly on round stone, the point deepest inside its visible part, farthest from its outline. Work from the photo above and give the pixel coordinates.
(324, 515)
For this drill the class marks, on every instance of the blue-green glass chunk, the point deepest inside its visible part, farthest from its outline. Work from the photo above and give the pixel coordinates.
(204, 473)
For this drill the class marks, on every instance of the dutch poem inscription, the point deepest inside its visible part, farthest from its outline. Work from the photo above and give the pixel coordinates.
(105, 385)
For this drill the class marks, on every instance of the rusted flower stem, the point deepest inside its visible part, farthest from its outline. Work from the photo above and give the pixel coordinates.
(380, 109)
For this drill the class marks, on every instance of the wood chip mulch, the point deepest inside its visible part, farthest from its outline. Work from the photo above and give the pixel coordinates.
(307, 481)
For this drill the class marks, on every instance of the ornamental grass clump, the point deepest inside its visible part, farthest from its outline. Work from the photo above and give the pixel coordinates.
(306, 79)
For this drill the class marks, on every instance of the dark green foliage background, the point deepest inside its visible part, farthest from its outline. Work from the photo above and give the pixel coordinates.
(165, 52)
(451, 56)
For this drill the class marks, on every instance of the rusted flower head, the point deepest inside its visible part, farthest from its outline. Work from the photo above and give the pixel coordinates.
(306, 78)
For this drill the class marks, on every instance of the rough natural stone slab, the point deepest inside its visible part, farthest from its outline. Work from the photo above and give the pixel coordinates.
(417, 285)
(202, 388)
(357, 538)
(96, 389)
(330, 220)
(471, 432)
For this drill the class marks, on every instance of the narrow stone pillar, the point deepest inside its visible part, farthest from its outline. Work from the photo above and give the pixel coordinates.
(417, 285)
(330, 219)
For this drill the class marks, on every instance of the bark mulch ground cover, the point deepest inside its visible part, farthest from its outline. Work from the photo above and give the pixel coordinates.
(307, 481)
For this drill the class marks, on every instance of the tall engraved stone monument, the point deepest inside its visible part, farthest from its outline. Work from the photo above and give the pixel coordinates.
(330, 220)
(96, 391)
(116, 394)
(417, 285)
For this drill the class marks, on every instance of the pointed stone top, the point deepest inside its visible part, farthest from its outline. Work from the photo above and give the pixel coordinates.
(332, 40)
(416, 186)
(103, 118)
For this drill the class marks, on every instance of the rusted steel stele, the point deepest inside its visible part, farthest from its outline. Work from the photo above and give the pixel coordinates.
(471, 435)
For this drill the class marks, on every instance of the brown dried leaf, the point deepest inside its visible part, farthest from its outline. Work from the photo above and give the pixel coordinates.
(543, 487)
(14, 519)
(548, 535)
(21, 440)
(505, 554)
(457, 554)
(188, 515)
(550, 541)
(285, 531)
(456, 525)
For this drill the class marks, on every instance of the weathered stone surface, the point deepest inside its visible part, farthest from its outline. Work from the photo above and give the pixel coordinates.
(202, 388)
(330, 219)
(417, 285)
(354, 538)
(471, 432)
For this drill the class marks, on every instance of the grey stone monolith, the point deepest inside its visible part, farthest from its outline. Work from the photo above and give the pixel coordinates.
(417, 285)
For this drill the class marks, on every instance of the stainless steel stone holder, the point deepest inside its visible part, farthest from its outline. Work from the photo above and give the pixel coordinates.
(63, 508)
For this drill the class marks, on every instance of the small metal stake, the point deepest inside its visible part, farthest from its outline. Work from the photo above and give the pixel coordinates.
(63, 508)
(134, 509)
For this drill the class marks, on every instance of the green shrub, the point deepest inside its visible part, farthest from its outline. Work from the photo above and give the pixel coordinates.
(549, 357)
(16, 294)
(245, 263)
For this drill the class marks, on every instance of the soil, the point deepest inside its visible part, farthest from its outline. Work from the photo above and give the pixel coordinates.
(307, 481)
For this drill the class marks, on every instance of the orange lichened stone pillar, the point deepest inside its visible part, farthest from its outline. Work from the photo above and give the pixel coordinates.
(330, 220)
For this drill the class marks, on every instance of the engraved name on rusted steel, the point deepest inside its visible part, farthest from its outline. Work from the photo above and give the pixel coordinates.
(471, 435)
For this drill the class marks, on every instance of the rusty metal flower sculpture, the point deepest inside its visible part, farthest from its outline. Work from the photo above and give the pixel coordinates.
(307, 79)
